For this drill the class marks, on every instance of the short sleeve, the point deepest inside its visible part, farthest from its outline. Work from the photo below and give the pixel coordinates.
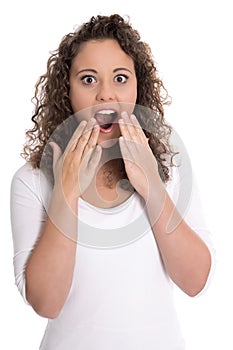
(27, 218)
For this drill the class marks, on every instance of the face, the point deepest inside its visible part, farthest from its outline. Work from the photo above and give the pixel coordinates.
(102, 85)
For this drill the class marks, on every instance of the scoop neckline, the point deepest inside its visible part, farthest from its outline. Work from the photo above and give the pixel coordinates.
(115, 209)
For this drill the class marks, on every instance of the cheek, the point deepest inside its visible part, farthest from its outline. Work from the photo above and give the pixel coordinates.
(132, 97)
(133, 93)
(82, 111)
(129, 96)
(77, 100)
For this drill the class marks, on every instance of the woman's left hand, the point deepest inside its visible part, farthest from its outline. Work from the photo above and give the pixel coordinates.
(140, 163)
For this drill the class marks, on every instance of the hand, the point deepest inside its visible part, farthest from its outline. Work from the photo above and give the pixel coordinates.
(75, 168)
(140, 163)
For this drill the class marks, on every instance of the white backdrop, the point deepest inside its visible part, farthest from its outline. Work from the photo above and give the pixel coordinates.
(192, 44)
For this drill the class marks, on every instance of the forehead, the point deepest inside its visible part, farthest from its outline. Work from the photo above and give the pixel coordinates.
(102, 51)
(98, 43)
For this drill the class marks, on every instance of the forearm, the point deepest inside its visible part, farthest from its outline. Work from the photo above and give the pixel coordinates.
(185, 255)
(49, 270)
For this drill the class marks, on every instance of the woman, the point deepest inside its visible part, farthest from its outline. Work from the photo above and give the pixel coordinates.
(98, 238)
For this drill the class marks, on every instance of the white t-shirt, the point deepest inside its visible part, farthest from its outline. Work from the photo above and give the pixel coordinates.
(121, 297)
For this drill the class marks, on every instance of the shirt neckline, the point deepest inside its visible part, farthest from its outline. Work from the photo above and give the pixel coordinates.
(111, 210)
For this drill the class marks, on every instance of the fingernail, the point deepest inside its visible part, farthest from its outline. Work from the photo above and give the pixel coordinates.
(121, 121)
(83, 122)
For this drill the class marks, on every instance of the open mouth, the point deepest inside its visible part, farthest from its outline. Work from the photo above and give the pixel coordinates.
(105, 118)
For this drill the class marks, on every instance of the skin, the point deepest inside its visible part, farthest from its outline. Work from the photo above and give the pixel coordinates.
(185, 256)
(103, 76)
(96, 79)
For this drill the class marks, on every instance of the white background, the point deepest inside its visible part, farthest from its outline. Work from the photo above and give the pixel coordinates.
(192, 44)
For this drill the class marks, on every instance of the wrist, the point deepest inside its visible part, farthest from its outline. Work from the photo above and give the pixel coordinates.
(155, 201)
(63, 214)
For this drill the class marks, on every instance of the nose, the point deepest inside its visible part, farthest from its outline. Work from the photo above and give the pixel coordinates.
(105, 93)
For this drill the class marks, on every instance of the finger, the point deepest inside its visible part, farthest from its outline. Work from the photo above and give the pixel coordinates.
(125, 150)
(84, 138)
(123, 124)
(76, 135)
(131, 128)
(88, 167)
(95, 158)
(92, 140)
(138, 130)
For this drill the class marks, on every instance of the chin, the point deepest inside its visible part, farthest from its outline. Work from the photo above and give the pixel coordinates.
(105, 144)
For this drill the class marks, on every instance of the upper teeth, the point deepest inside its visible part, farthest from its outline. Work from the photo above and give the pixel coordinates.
(106, 111)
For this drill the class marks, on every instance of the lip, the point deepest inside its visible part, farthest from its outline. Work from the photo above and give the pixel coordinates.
(107, 131)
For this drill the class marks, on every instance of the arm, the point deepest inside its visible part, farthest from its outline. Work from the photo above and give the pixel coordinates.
(185, 255)
(49, 268)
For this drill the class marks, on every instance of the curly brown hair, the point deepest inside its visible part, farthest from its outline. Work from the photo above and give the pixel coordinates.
(52, 102)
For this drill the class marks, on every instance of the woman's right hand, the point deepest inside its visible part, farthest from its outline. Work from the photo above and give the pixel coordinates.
(75, 168)
(49, 269)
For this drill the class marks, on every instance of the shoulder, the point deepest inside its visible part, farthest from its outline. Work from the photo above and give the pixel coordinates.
(26, 177)
(26, 171)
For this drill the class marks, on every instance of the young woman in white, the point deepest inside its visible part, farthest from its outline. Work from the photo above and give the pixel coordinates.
(98, 237)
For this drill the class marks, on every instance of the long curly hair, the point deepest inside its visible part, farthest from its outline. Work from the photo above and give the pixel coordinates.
(52, 102)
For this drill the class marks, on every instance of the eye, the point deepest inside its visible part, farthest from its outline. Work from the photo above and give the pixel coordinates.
(88, 79)
(121, 78)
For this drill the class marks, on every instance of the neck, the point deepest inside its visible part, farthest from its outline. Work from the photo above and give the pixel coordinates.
(105, 190)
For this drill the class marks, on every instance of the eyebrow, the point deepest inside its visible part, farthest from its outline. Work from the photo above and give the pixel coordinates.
(94, 71)
(86, 70)
(122, 68)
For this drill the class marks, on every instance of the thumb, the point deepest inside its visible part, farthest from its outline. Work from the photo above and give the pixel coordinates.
(56, 152)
